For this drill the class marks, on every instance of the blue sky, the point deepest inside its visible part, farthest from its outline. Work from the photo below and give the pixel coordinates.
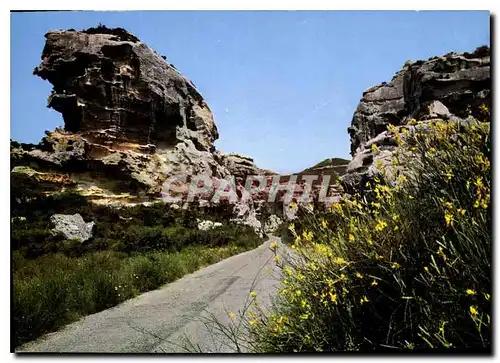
(282, 85)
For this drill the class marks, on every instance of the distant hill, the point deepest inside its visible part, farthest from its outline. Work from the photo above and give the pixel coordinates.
(331, 166)
(335, 167)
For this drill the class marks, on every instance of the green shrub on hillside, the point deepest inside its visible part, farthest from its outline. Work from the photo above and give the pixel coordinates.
(407, 267)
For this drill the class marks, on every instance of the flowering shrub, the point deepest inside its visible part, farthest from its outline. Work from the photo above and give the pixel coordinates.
(405, 267)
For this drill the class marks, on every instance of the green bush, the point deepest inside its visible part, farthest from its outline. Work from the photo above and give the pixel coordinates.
(407, 267)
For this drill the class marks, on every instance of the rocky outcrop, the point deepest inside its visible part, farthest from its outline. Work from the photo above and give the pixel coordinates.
(72, 226)
(239, 165)
(42, 180)
(74, 161)
(131, 121)
(112, 89)
(447, 88)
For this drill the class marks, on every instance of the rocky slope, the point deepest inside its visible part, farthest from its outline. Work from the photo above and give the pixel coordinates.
(448, 88)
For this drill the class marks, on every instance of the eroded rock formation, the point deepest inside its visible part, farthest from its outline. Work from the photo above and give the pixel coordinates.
(112, 89)
(130, 121)
(448, 88)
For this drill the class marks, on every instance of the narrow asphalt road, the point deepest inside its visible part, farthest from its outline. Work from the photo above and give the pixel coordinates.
(159, 321)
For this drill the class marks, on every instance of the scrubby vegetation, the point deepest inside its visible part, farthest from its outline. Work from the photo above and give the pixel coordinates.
(129, 230)
(56, 281)
(55, 289)
(405, 267)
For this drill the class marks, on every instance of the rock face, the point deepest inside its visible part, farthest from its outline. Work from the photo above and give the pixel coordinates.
(447, 88)
(239, 165)
(72, 226)
(110, 88)
(131, 121)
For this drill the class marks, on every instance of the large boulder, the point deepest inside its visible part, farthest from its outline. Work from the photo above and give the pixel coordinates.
(72, 226)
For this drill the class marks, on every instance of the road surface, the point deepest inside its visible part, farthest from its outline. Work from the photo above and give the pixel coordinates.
(159, 320)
